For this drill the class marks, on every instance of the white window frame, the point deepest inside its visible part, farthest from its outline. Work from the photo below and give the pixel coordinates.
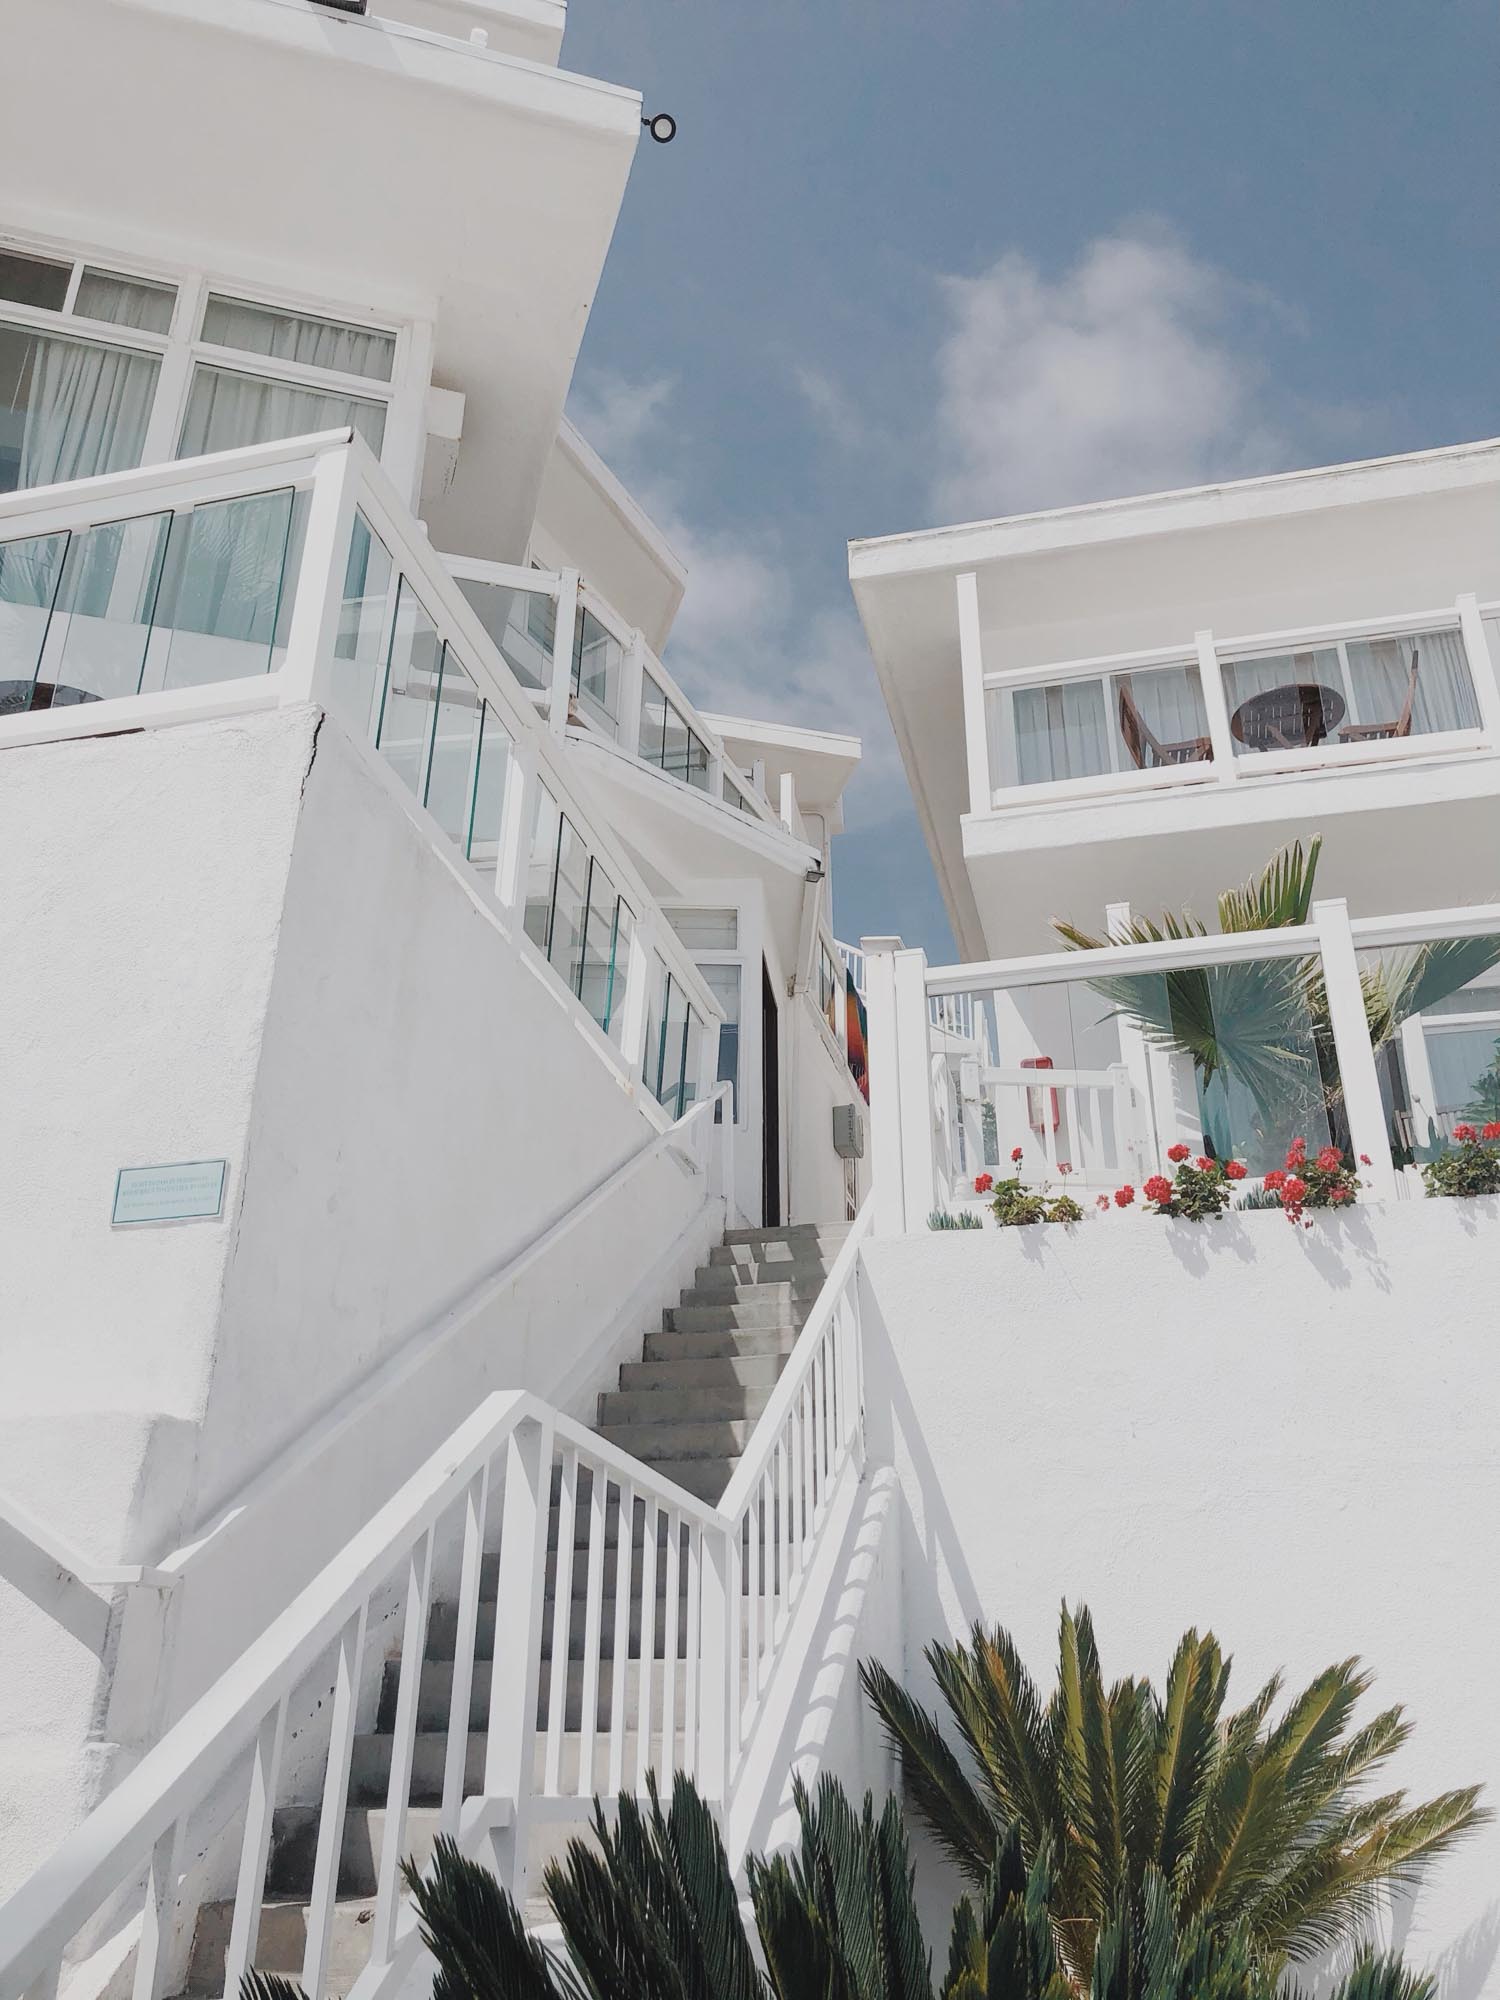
(737, 957)
(180, 349)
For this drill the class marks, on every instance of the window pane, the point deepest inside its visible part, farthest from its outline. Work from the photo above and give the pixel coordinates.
(411, 687)
(598, 984)
(684, 753)
(565, 946)
(723, 981)
(226, 411)
(653, 721)
(692, 1056)
(520, 624)
(1285, 701)
(133, 302)
(455, 751)
(355, 680)
(1159, 719)
(707, 930)
(673, 1049)
(597, 658)
(69, 409)
(489, 791)
(34, 281)
(656, 1001)
(1411, 686)
(298, 337)
(106, 607)
(620, 974)
(29, 576)
(541, 870)
(1434, 1076)
(1061, 732)
(227, 571)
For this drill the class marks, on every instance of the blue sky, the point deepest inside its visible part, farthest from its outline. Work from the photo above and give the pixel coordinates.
(911, 261)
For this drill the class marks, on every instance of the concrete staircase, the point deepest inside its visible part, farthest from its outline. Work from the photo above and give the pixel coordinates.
(687, 1408)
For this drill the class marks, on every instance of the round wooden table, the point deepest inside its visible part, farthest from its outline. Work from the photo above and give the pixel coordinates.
(1294, 717)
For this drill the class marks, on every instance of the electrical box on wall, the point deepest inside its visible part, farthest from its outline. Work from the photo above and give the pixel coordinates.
(849, 1131)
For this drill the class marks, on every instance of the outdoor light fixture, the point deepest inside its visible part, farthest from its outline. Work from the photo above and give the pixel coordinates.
(663, 127)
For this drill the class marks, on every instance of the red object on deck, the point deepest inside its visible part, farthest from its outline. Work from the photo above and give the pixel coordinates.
(1037, 1111)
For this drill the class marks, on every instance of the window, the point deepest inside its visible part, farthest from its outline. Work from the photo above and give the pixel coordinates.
(229, 407)
(1356, 691)
(597, 656)
(828, 989)
(723, 981)
(135, 302)
(1073, 729)
(706, 930)
(602, 969)
(307, 342)
(668, 741)
(69, 408)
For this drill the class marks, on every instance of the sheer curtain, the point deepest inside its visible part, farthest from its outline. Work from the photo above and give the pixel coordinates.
(1170, 702)
(1061, 732)
(1380, 670)
(310, 343)
(1245, 678)
(84, 409)
(227, 410)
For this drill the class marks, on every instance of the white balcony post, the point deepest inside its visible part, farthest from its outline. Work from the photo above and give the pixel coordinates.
(517, 814)
(1135, 1136)
(1351, 1040)
(914, 1044)
(632, 692)
(637, 997)
(1482, 667)
(901, 1168)
(971, 668)
(562, 652)
(715, 1575)
(1211, 676)
(509, 1745)
(1420, 1086)
(313, 628)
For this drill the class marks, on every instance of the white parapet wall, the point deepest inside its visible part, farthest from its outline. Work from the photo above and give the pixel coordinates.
(227, 940)
(1285, 1435)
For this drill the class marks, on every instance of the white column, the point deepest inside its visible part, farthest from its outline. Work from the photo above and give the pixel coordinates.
(313, 629)
(517, 814)
(885, 1095)
(1481, 665)
(510, 1742)
(715, 1577)
(562, 652)
(914, 1072)
(1212, 679)
(971, 668)
(1351, 1041)
(1420, 1086)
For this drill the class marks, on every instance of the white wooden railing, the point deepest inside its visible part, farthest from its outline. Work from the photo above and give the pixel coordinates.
(544, 1504)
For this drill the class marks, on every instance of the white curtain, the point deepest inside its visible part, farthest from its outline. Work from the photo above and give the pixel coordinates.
(226, 411)
(85, 408)
(1245, 678)
(1380, 670)
(1170, 701)
(310, 343)
(125, 301)
(1061, 732)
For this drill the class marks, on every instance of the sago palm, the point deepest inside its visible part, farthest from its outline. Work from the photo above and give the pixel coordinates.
(1253, 1822)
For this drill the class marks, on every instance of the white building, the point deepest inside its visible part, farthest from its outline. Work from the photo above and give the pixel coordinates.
(456, 1355)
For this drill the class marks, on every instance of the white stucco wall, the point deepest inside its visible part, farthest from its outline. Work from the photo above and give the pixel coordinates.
(227, 940)
(814, 1080)
(1287, 1436)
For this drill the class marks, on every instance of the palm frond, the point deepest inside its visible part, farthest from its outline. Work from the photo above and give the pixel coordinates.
(933, 1778)
(476, 1934)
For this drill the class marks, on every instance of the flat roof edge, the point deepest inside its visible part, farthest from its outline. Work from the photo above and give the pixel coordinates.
(617, 495)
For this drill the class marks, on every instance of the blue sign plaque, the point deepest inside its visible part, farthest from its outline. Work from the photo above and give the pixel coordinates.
(191, 1191)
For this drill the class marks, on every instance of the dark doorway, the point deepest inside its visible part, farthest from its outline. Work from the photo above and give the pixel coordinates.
(770, 1102)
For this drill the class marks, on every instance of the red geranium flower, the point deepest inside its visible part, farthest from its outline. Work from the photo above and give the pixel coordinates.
(1490, 1132)
(1330, 1159)
(1364, 1158)
(983, 1183)
(1293, 1191)
(1464, 1133)
(1158, 1188)
(1124, 1196)
(1296, 1152)
(1274, 1179)
(1015, 1153)
(1178, 1152)
(1234, 1170)
(1101, 1201)
(1065, 1166)
(1203, 1163)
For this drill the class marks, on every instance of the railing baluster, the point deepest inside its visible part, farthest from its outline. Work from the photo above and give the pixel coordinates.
(562, 1621)
(648, 1643)
(593, 1606)
(784, 1528)
(403, 1747)
(476, 1501)
(156, 1917)
(735, 1587)
(752, 1608)
(351, 1649)
(624, 1545)
(250, 1888)
(694, 1649)
(670, 1626)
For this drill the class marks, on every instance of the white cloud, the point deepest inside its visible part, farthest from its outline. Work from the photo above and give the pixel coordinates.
(1129, 372)
(616, 415)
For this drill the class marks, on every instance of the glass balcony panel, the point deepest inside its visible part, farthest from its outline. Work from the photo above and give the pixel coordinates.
(684, 753)
(409, 705)
(1414, 685)
(356, 678)
(106, 609)
(541, 868)
(299, 338)
(1434, 1015)
(656, 1008)
(596, 987)
(1066, 730)
(69, 408)
(520, 623)
(454, 766)
(227, 410)
(598, 660)
(1284, 701)
(569, 906)
(674, 1037)
(133, 302)
(492, 776)
(30, 572)
(1061, 732)
(227, 582)
(620, 971)
(652, 744)
(697, 773)
(692, 1057)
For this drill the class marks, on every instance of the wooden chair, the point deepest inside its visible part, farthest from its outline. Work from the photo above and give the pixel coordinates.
(1380, 732)
(1147, 751)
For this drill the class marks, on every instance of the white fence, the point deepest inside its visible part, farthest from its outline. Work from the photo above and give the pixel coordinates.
(1340, 1031)
(546, 1509)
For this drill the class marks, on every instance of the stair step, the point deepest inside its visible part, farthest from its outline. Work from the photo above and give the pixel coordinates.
(689, 1404)
(750, 1371)
(825, 1234)
(294, 1837)
(282, 1941)
(760, 1315)
(435, 1693)
(767, 1265)
(739, 1284)
(370, 1770)
(727, 1344)
(706, 1478)
(651, 1442)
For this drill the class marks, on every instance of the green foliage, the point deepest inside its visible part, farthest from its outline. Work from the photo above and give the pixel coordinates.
(1250, 1823)
(1197, 1194)
(476, 1934)
(941, 1218)
(1470, 1167)
(1015, 1205)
